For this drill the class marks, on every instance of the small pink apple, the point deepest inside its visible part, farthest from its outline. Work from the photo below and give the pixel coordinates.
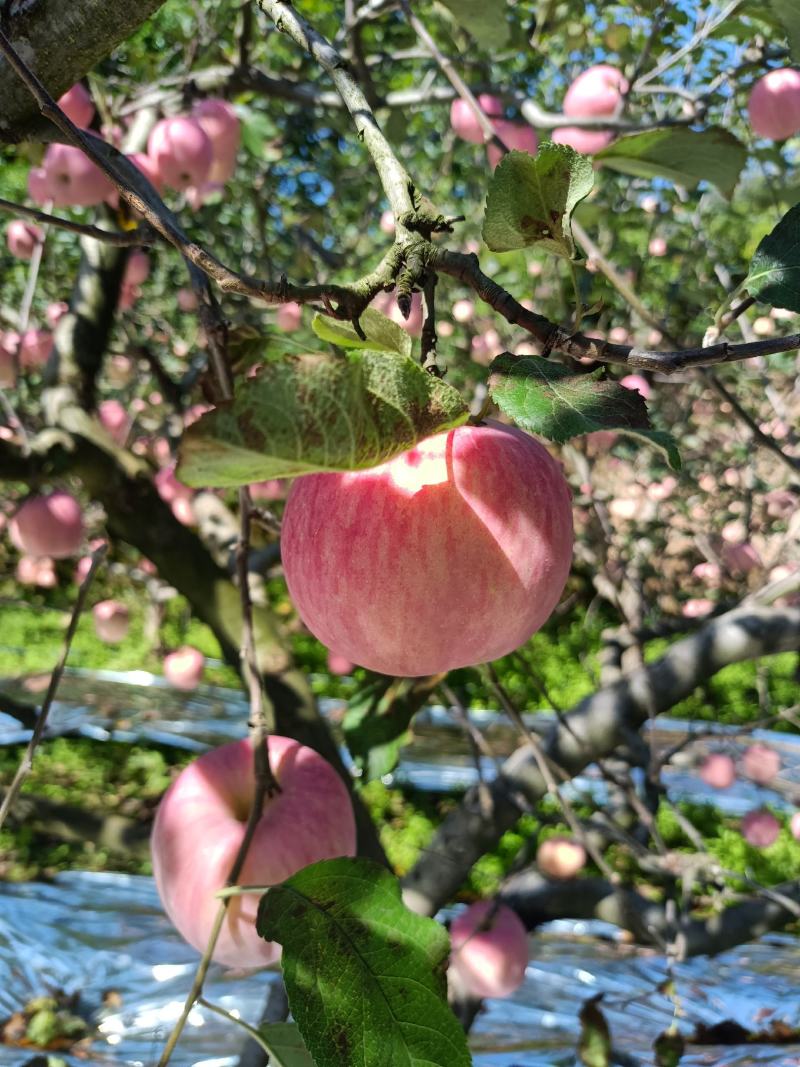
(718, 771)
(148, 167)
(637, 382)
(35, 348)
(464, 122)
(115, 420)
(56, 311)
(182, 152)
(387, 304)
(137, 269)
(794, 826)
(339, 664)
(697, 607)
(463, 311)
(707, 572)
(618, 335)
(387, 222)
(560, 857)
(36, 570)
(485, 346)
(761, 763)
(740, 558)
(39, 186)
(654, 338)
(76, 103)
(183, 669)
(657, 246)
(168, 486)
(289, 317)
(489, 950)
(22, 238)
(760, 828)
(186, 299)
(774, 104)
(199, 828)
(221, 124)
(587, 142)
(662, 490)
(111, 621)
(73, 180)
(519, 136)
(49, 525)
(597, 91)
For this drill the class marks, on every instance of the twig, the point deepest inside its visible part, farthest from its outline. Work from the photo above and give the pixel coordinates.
(142, 235)
(705, 31)
(26, 762)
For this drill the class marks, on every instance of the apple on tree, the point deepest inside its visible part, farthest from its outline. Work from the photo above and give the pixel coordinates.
(200, 824)
(183, 668)
(718, 771)
(451, 554)
(760, 828)
(560, 857)
(111, 621)
(49, 525)
(489, 950)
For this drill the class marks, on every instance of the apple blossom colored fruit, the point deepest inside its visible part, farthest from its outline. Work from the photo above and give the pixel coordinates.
(708, 572)
(774, 104)
(36, 570)
(200, 824)
(489, 950)
(637, 382)
(182, 152)
(387, 304)
(514, 135)
(718, 771)
(463, 310)
(148, 167)
(221, 124)
(760, 828)
(464, 122)
(794, 826)
(657, 246)
(39, 189)
(77, 105)
(697, 607)
(72, 179)
(597, 91)
(22, 238)
(186, 299)
(111, 621)
(761, 763)
(48, 525)
(56, 311)
(289, 317)
(115, 420)
(453, 553)
(35, 347)
(560, 857)
(587, 142)
(183, 669)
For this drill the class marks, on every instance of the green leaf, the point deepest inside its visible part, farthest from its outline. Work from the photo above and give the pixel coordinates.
(683, 156)
(381, 333)
(548, 399)
(285, 1046)
(788, 14)
(311, 413)
(531, 199)
(668, 1048)
(594, 1047)
(365, 976)
(485, 22)
(376, 723)
(774, 276)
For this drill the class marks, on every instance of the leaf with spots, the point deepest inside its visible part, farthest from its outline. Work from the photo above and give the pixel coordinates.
(381, 334)
(319, 412)
(365, 977)
(774, 276)
(531, 199)
(548, 399)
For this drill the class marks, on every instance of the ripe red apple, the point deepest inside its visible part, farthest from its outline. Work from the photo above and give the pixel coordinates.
(183, 669)
(489, 950)
(77, 105)
(597, 91)
(761, 763)
(514, 135)
(36, 570)
(637, 382)
(760, 828)
(49, 525)
(115, 419)
(35, 347)
(560, 857)
(464, 121)
(222, 126)
(72, 180)
(182, 152)
(774, 104)
(22, 238)
(111, 621)
(289, 317)
(137, 269)
(387, 304)
(148, 167)
(718, 771)
(451, 554)
(200, 824)
(587, 142)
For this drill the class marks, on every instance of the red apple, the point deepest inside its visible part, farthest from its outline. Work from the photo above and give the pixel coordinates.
(464, 121)
(22, 238)
(489, 950)
(657, 246)
(761, 763)
(637, 382)
(560, 857)
(35, 348)
(137, 269)
(200, 824)
(718, 771)
(514, 135)
(760, 828)
(36, 570)
(697, 607)
(774, 104)
(453, 553)
(56, 311)
(72, 179)
(148, 167)
(49, 525)
(289, 317)
(183, 669)
(387, 304)
(222, 126)
(186, 299)
(182, 152)
(115, 419)
(597, 91)
(111, 621)
(77, 105)
(587, 142)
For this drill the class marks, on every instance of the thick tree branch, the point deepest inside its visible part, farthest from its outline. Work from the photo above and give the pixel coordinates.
(592, 730)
